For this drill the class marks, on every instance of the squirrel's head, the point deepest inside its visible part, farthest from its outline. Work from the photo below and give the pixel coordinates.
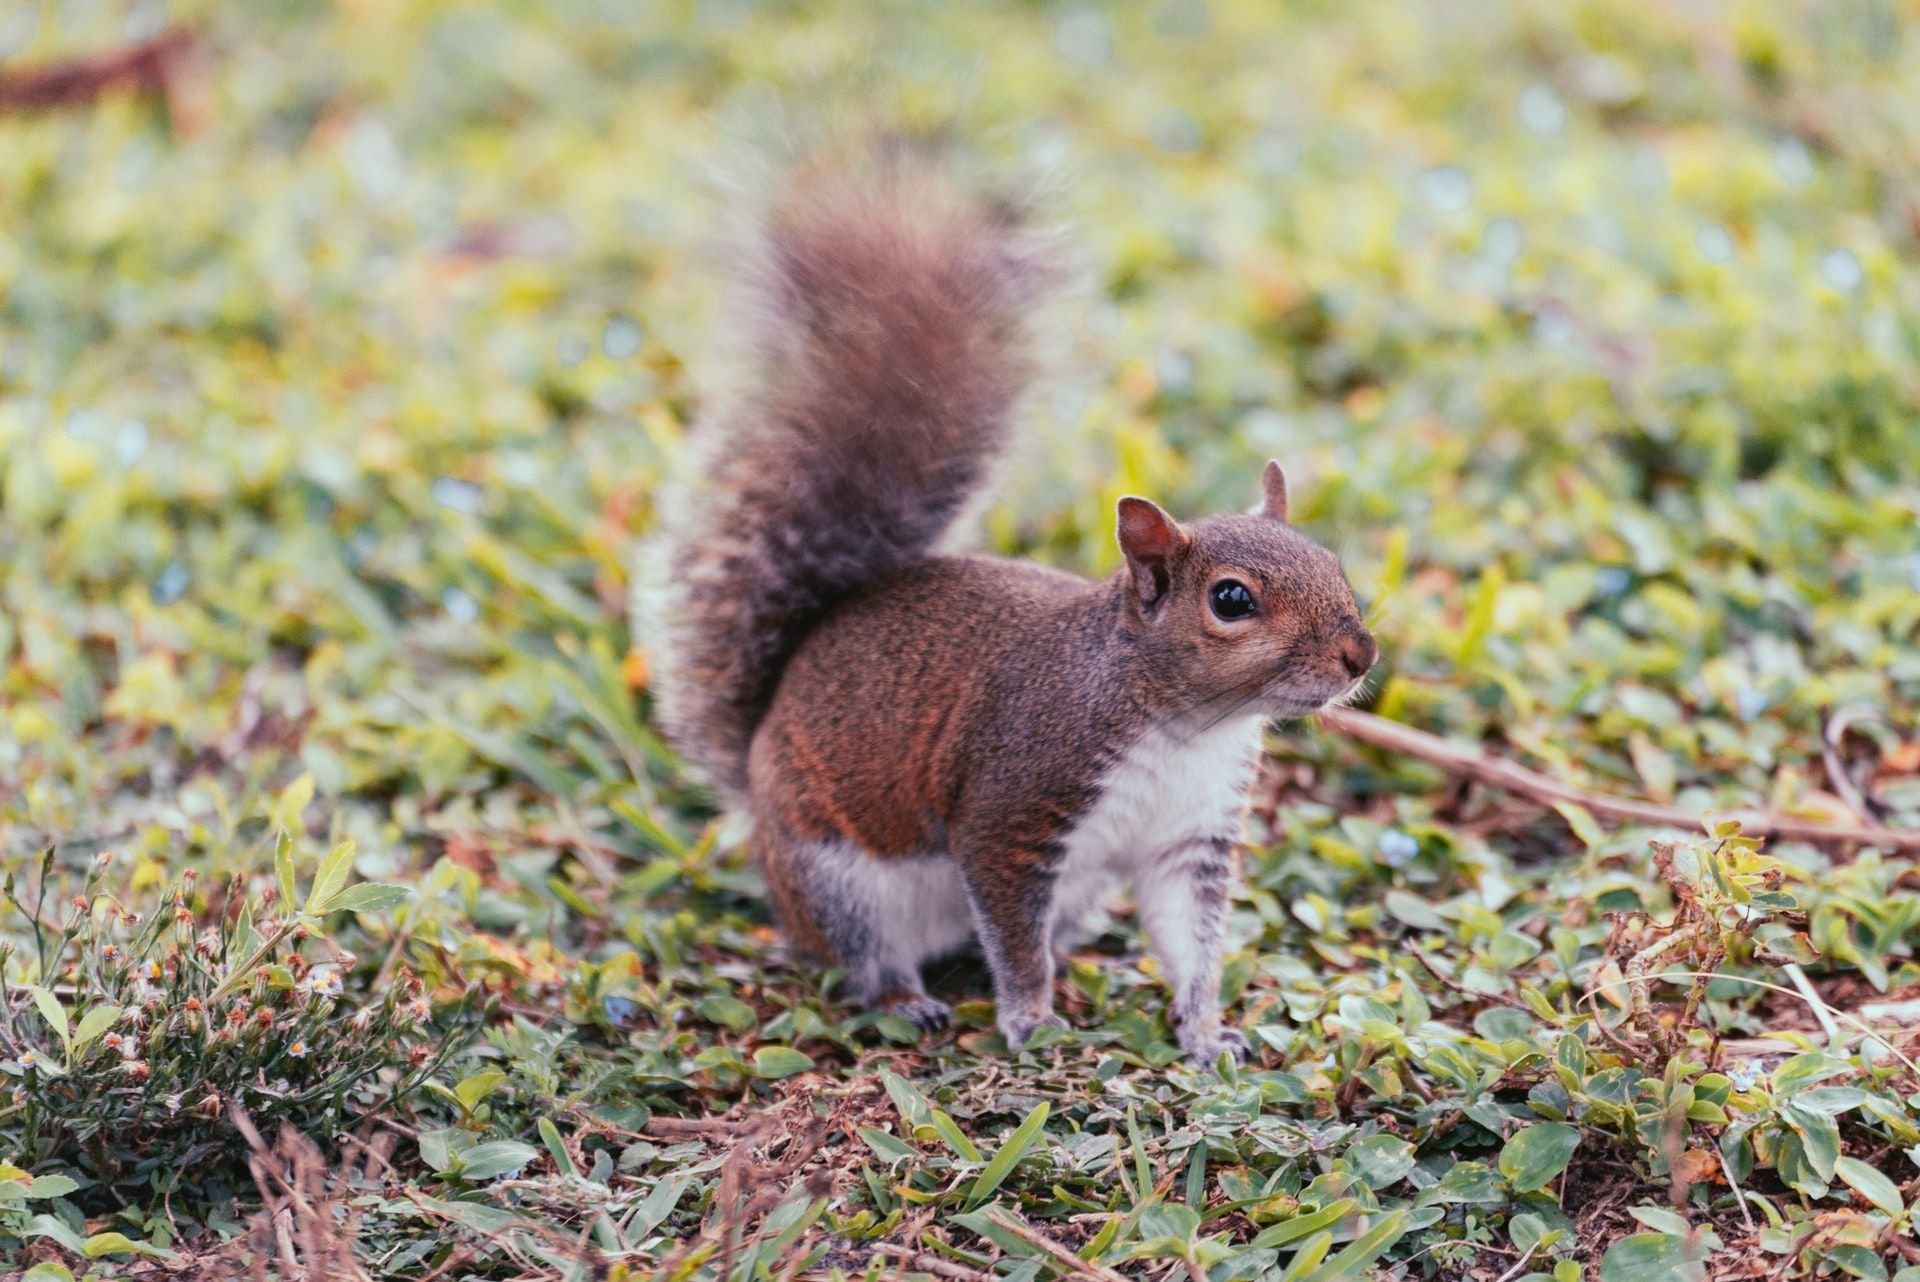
(1242, 612)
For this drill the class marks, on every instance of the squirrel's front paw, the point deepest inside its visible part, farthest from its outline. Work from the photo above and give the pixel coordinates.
(1203, 1046)
(1018, 1028)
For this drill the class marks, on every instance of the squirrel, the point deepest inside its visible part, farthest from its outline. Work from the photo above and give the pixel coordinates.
(938, 748)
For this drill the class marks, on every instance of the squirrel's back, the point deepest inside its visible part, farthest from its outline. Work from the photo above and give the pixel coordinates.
(884, 348)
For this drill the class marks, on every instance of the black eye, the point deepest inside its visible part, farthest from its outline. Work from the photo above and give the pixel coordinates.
(1230, 599)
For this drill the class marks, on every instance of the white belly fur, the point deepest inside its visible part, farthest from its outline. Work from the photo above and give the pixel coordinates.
(1165, 792)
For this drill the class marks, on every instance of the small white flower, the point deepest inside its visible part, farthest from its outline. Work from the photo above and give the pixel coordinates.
(298, 1050)
(323, 980)
(28, 1059)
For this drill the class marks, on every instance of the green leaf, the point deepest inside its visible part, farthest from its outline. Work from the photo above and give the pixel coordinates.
(1661, 1219)
(120, 1244)
(1819, 1136)
(1804, 1070)
(283, 862)
(331, 877)
(780, 1061)
(915, 1109)
(1791, 1162)
(487, 1221)
(658, 1205)
(1510, 949)
(1830, 1100)
(437, 1146)
(1300, 1226)
(955, 1138)
(1010, 1153)
(1307, 1258)
(1364, 1250)
(1529, 1231)
(494, 1158)
(92, 1024)
(726, 1011)
(1168, 1223)
(52, 1186)
(369, 897)
(1861, 1178)
(1413, 911)
(474, 1089)
(1534, 1156)
(289, 806)
(55, 1014)
(886, 1147)
(1470, 1182)
(1142, 1166)
(1581, 820)
(47, 1271)
(556, 1147)
(1381, 1160)
(44, 1225)
(1651, 1257)
(649, 828)
(1857, 1260)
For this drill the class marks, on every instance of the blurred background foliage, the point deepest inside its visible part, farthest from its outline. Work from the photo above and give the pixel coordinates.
(335, 381)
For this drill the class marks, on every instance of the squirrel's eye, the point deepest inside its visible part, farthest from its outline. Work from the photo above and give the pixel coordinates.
(1230, 599)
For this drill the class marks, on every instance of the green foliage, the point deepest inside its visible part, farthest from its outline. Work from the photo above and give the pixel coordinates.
(330, 409)
(165, 1027)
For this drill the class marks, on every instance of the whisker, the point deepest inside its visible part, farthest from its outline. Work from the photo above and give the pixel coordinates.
(1237, 698)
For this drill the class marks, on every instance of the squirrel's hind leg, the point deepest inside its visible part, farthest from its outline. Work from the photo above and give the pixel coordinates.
(877, 918)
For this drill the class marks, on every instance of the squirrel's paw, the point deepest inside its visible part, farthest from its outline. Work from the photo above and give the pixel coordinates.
(930, 1014)
(1203, 1046)
(1018, 1028)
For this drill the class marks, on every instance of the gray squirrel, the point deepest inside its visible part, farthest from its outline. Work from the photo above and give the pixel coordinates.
(937, 749)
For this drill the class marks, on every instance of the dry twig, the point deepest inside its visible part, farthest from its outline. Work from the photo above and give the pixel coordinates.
(1060, 1255)
(165, 65)
(1482, 767)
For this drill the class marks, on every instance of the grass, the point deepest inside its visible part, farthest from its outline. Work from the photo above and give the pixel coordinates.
(331, 402)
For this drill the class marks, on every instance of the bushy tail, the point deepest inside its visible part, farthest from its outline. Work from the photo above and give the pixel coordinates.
(886, 348)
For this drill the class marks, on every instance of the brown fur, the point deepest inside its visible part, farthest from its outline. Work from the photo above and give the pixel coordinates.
(883, 707)
(886, 346)
(972, 704)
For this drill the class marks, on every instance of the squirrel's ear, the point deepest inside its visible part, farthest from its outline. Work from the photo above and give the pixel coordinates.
(1274, 482)
(1151, 541)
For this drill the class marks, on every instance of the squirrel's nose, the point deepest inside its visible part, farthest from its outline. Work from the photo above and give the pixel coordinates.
(1358, 651)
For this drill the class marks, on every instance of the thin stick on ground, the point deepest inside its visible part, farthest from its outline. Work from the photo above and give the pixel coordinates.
(1482, 767)
(1519, 1265)
(1060, 1255)
(148, 67)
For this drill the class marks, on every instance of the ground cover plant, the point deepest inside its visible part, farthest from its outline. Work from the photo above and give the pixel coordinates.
(359, 923)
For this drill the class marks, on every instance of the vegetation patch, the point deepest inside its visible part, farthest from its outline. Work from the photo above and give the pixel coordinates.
(359, 922)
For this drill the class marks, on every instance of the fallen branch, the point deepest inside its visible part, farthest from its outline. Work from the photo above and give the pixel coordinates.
(152, 66)
(1482, 767)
